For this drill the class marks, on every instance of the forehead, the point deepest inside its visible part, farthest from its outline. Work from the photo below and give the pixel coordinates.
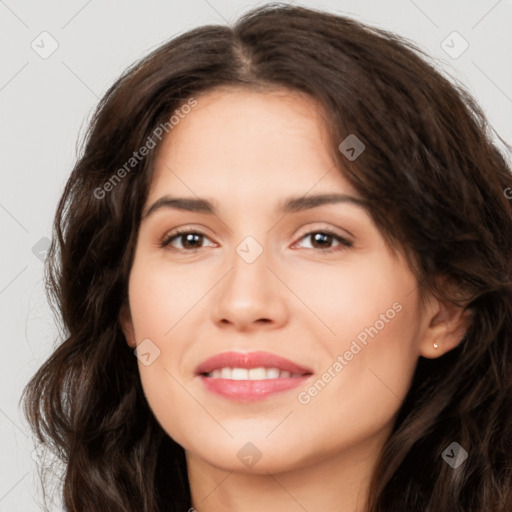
(240, 140)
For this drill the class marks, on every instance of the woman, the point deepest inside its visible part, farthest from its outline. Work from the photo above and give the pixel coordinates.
(301, 230)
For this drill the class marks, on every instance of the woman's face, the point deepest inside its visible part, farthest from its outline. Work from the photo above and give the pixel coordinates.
(267, 268)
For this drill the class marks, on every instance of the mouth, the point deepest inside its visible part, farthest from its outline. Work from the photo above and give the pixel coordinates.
(250, 376)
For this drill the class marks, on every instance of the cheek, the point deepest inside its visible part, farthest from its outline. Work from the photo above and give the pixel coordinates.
(360, 390)
(372, 362)
(161, 296)
(162, 301)
(364, 292)
(371, 356)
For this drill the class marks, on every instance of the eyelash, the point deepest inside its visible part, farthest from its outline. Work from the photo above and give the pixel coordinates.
(344, 243)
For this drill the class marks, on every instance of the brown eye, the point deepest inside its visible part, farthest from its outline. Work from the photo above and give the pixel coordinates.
(325, 239)
(186, 240)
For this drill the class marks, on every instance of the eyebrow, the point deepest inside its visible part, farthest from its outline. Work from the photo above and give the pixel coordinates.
(291, 205)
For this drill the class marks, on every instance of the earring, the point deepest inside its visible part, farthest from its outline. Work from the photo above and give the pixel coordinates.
(436, 345)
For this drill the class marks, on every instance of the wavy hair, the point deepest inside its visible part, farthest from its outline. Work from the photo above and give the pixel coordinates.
(436, 185)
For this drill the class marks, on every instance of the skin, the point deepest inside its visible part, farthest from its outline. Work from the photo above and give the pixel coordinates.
(246, 152)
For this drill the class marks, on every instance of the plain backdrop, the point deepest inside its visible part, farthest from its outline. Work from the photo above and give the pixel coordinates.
(59, 58)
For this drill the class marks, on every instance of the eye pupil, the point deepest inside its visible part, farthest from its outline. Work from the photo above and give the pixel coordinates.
(321, 238)
(189, 239)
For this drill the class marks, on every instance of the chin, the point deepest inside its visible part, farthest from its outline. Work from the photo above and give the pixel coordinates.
(245, 454)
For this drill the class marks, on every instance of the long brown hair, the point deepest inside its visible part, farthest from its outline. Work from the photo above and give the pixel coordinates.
(436, 185)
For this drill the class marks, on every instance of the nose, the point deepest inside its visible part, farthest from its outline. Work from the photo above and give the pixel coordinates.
(250, 296)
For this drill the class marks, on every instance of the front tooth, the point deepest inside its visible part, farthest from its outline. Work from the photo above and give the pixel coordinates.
(260, 373)
(225, 373)
(272, 373)
(257, 373)
(240, 374)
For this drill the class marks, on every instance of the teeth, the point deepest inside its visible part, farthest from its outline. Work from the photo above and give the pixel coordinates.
(240, 374)
(225, 373)
(257, 373)
(273, 373)
(251, 374)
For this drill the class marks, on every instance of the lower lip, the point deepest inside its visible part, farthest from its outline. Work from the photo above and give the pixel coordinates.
(250, 390)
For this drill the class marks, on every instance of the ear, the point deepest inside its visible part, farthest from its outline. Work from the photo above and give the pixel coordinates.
(125, 321)
(446, 327)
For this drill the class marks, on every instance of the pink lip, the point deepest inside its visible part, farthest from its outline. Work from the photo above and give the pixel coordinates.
(249, 360)
(250, 390)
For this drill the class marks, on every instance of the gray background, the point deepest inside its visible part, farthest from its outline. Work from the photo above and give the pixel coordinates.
(46, 103)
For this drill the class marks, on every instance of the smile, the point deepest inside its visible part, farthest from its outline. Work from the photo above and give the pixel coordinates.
(245, 377)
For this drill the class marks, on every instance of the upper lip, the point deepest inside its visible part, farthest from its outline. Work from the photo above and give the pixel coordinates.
(250, 360)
